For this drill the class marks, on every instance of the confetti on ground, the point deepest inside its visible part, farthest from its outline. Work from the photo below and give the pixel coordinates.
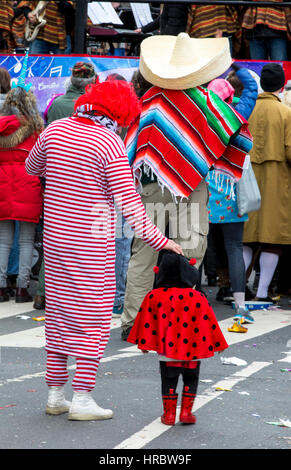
(6, 406)
(220, 389)
(23, 317)
(284, 423)
(233, 361)
(38, 318)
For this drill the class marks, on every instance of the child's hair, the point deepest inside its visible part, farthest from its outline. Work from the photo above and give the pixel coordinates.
(233, 79)
(140, 84)
(23, 103)
(5, 81)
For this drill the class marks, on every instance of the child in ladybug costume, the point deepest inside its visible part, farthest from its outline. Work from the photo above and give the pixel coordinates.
(178, 323)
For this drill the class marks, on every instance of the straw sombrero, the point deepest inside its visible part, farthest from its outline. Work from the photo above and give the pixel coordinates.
(180, 62)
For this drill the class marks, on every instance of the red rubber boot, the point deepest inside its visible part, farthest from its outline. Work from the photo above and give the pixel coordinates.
(170, 405)
(186, 415)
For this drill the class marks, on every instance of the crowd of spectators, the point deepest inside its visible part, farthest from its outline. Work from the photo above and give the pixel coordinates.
(256, 33)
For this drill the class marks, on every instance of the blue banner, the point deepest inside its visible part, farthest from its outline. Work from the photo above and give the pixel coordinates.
(49, 74)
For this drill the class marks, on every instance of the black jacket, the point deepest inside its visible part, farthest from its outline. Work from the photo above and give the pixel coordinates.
(172, 21)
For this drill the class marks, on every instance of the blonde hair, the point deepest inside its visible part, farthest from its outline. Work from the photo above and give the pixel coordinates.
(23, 103)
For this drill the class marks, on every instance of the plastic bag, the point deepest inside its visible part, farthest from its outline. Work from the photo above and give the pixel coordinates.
(248, 193)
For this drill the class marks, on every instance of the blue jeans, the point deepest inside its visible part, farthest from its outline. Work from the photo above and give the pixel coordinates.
(13, 264)
(39, 46)
(263, 48)
(26, 244)
(68, 49)
(123, 242)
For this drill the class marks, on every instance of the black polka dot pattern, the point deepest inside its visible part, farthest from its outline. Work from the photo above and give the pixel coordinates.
(178, 323)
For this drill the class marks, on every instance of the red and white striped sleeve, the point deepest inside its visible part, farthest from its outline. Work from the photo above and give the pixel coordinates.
(120, 182)
(35, 163)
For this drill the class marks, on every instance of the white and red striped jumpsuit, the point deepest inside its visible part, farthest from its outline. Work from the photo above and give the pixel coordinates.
(85, 166)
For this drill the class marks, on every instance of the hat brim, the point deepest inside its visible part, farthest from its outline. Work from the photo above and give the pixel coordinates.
(180, 62)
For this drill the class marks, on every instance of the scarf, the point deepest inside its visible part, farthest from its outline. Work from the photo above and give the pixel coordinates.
(180, 135)
(86, 111)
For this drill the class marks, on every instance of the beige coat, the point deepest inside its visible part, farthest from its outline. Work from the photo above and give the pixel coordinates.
(270, 126)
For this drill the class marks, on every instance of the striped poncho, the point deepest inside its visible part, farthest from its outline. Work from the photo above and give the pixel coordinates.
(205, 20)
(180, 135)
(278, 19)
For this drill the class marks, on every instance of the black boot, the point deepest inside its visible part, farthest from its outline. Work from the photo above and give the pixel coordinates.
(125, 333)
(4, 295)
(39, 302)
(22, 295)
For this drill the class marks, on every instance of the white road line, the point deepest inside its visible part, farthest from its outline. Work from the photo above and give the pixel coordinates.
(31, 338)
(156, 428)
(265, 322)
(11, 308)
(34, 337)
(115, 357)
(287, 358)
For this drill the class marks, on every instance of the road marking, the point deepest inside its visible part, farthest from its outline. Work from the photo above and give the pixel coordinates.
(31, 338)
(156, 428)
(265, 322)
(11, 308)
(35, 337)
(73, 366)
(287, 358)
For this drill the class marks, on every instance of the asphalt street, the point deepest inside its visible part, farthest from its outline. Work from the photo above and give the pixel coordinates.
(242, 405)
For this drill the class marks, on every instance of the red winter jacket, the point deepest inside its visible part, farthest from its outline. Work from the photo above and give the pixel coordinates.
(20, 193)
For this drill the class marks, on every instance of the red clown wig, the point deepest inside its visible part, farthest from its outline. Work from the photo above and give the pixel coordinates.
(115, 99)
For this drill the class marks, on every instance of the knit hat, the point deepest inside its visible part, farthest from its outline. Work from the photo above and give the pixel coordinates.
(222, 88)
(83, 70)
(83, 73)
(272, 77)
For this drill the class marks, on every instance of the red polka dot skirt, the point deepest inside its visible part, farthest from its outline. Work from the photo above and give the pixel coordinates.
(177, 323)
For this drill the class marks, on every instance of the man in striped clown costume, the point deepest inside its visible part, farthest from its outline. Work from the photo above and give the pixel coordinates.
(183, 130)
(87, 172)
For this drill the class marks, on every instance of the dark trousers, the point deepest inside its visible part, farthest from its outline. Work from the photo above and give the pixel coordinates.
(230, 234)
(170, 376)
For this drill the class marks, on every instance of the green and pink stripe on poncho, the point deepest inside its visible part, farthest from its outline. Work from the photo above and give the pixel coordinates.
(180, 135)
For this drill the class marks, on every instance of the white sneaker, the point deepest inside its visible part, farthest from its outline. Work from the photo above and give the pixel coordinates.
(57, 404)
(84, 408)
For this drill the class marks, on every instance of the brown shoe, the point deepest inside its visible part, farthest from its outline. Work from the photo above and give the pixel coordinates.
(22, 295)
(39, 302)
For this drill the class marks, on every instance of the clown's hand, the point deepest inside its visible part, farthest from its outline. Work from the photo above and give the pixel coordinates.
(172, 246)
